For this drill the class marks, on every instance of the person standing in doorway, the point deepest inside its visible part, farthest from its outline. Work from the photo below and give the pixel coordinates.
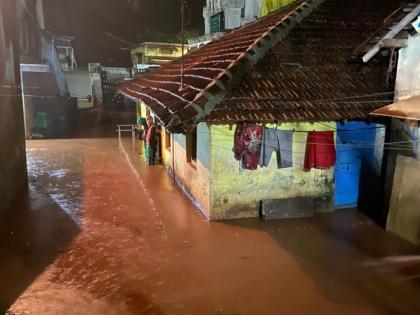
(150, 141)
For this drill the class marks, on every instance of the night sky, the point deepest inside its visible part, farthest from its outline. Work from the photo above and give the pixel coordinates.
(89, 21)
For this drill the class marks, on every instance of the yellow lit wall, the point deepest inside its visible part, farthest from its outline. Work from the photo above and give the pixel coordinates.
(236, 193)
(269, 6)
(222, 190)
(166, 152)
(156, 53)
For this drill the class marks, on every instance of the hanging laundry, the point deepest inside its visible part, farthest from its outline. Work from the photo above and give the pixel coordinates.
(269, 6)
(238, 142)
(247, 144)
(280, 141)
(320, 150)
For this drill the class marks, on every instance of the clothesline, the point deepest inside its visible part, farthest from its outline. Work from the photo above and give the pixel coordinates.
(303, 153)
(254, 145)
(320, 123)
(300, 131)
(398, 144)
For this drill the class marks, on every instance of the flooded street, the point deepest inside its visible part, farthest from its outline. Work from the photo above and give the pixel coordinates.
(99, 232)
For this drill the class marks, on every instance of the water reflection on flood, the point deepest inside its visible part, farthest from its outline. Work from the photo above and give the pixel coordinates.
(60, 175)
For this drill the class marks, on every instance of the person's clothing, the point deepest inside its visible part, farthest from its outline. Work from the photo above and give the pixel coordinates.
(320, 150)
(150, 144)
(280, 141)
(151, 136)
(146, 153)
(150, 155)
(247, 144)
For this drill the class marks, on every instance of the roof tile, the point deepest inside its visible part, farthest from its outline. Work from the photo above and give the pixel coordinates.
(307, 75)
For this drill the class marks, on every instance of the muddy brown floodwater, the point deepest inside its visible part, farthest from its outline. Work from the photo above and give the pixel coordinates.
(99, 232)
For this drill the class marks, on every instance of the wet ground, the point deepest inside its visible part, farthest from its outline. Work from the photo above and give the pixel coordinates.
(99, 232)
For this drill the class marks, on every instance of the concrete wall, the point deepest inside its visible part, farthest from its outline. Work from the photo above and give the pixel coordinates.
(79, 83)
(232, 10)
(404, 215)
(408, 73)
(12, 137)
(156, 53)
(407, 85)
(252, 9)
(237, 193)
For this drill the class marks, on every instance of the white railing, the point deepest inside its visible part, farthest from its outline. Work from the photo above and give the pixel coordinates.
(126, 129)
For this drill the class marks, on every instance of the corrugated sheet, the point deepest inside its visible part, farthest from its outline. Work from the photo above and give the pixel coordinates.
(407, 109)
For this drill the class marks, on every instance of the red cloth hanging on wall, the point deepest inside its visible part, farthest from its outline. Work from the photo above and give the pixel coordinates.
(320, 150)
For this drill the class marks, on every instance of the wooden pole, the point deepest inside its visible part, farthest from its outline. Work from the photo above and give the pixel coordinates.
(183, 41)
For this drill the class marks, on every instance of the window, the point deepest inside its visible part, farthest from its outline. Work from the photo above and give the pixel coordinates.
(168, 140)
(217, 23)
(191, 138)
(166, 51)
(138, 58)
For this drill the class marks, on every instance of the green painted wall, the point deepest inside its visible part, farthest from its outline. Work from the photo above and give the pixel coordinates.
(236, 193)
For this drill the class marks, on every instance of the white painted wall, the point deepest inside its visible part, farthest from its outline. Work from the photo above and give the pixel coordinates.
(232, 18)
(408, 73)
(79, 83)
(404, 212)
(252, 9)
(233, 12)
(40, 13)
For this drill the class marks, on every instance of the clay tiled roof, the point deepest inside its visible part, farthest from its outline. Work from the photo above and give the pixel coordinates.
(212, 67)
(276, 69)
(312, 75)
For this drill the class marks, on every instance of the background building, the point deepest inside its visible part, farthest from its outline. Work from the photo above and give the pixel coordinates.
(153, 54)
(221, 15)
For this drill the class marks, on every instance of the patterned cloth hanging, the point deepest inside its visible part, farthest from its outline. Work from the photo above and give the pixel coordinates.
(247, 145)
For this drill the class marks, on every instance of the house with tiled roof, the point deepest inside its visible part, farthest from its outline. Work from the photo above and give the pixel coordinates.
(295, 69)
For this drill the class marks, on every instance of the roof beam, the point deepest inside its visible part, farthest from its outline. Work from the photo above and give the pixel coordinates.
(395, 43)
(392, 33)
